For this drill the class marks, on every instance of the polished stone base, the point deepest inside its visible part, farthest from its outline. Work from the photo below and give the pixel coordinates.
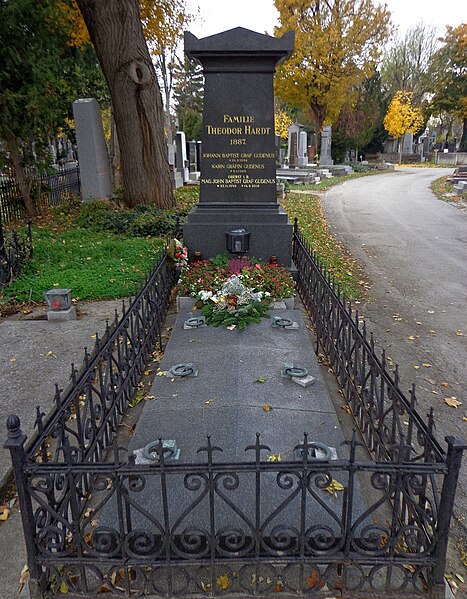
(269, 227)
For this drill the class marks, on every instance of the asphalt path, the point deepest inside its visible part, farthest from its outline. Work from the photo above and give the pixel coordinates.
(413, 248)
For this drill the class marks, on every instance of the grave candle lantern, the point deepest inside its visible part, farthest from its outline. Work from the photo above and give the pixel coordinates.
(58, 299)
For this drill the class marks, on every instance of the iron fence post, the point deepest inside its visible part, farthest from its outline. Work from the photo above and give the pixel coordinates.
(15, 443)
(456, 446)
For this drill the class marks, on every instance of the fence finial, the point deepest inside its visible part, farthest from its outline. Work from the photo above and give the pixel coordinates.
(13, 425)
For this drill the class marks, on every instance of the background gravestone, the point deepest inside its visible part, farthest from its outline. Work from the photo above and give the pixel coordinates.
(325, 158)
(293, 144)
(181, 160)
(407, 143)
(238, 161)
(302, 149)
(92, 152)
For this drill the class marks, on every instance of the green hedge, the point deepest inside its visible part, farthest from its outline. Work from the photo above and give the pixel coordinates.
(141, 221)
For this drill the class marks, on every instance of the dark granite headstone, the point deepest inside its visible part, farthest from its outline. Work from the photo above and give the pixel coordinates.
(293, 160)
(191, 151)
(238, 163)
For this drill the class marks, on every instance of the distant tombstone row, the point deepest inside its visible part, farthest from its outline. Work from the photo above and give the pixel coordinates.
(62, 150)
(184, 158)
(187, 159)
(297, 154)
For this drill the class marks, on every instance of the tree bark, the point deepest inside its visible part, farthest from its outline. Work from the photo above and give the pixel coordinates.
(115, 162)
(117, 34)
(20, 174)
(167, 84)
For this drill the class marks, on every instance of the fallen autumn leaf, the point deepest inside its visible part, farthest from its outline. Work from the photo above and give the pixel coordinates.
(452, 402)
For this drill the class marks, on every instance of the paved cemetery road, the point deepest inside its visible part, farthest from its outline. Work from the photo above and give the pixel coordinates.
(413, 248)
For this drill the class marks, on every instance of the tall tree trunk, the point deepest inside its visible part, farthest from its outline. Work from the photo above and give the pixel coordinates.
(20, 174)
(115, 162)
(117, 34)
(166, 80)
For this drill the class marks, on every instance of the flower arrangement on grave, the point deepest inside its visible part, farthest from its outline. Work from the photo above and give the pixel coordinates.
(210, 275)
(235, 291)
(177, 253)
(234, 305)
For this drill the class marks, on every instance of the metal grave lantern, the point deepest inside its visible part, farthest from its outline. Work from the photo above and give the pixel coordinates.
(58, 299)
(238, 241)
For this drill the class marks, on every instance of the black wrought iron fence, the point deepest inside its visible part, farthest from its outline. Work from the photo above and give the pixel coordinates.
(96, 521)
(11, 202)
(384, 415)
(15, 248)
(54, 189)
(47, 190)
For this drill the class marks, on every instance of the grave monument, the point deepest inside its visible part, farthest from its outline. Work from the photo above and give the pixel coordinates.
(297, 146)
(181, 159)
(238, 163)
(325, 158)
(92, 152)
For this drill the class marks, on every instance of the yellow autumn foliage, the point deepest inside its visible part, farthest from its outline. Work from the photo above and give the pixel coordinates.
(282, 122)
(337, 46)
(68, 17)
(163, 22)
(402, 117)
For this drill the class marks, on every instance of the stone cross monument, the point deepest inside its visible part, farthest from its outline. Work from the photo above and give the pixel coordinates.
(238, 165)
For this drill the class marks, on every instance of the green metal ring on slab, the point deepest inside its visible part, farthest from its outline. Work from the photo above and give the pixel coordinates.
(182, 370)
(312, 458)
(151, 448)
(280, 321)
(295, 371)
(195, 322)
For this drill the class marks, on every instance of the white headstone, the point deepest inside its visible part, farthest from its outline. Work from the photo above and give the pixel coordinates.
(302, 149)
(181, 159)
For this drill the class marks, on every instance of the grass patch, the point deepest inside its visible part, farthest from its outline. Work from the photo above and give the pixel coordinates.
(102, 265)
(421, 165)
(444, 190)
(93, 265)
(313, 225)
(187, 196)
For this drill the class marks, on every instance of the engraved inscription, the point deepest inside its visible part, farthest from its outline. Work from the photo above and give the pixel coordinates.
(240, 169)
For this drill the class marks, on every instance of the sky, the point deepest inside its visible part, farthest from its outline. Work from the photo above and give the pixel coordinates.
(260, 15)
